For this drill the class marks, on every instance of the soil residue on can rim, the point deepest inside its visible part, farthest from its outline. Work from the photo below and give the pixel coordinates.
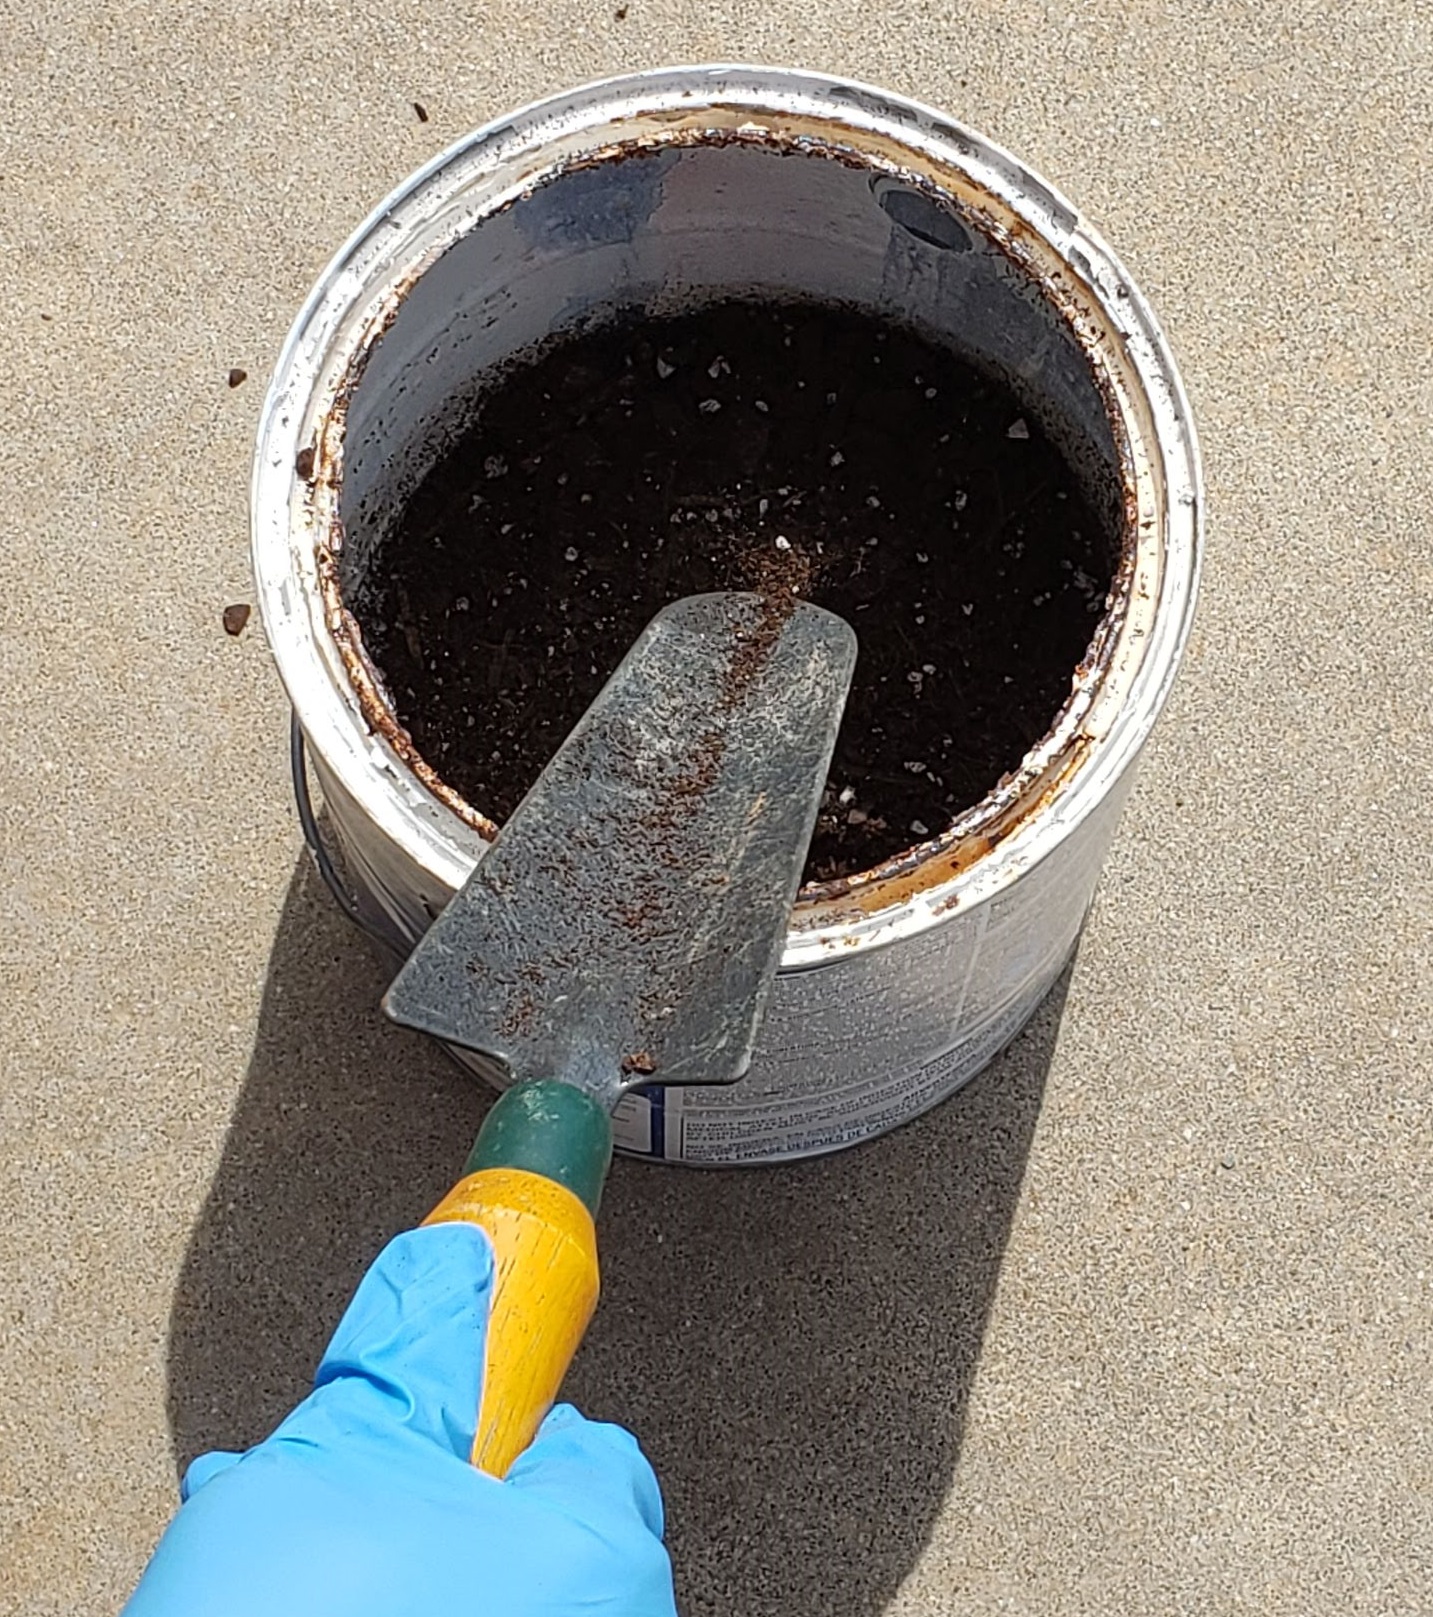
(794, 450)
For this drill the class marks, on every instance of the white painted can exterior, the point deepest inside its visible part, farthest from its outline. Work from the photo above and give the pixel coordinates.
(661, 189)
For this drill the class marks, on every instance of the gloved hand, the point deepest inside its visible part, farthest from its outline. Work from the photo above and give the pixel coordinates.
(364, 1504)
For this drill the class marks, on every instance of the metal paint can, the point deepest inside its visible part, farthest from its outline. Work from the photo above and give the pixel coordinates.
(658, 191)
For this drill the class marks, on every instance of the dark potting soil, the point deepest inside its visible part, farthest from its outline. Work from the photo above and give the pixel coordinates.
(786, 448)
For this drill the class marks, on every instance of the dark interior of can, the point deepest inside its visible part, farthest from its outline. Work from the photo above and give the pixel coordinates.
(663, 232)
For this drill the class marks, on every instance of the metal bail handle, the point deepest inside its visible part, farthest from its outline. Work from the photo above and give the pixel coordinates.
(318, 852)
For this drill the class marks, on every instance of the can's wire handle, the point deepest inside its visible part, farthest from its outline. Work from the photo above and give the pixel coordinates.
(322, 861)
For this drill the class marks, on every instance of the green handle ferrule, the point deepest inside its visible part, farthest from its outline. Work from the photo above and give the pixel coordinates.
(548, 1128)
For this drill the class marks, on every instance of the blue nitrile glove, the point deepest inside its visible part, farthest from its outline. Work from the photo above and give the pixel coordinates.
(364, 1504)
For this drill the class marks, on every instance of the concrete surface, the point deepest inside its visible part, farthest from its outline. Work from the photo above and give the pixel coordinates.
(1141, 1322)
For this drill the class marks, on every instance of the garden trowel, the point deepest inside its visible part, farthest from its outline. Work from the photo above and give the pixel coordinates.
(623, 930)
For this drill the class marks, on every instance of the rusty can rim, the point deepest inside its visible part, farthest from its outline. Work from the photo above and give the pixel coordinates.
(1118, 688)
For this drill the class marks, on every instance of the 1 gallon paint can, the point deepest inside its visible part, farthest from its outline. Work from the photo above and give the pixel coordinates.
(659, 190)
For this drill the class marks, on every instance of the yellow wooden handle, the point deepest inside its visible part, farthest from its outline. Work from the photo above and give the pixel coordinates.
(544, 1292)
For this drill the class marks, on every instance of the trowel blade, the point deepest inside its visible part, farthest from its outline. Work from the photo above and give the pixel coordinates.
(626, 925)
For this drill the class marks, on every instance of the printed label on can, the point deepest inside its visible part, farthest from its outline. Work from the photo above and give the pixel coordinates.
(634, 1120)
(852, 1112)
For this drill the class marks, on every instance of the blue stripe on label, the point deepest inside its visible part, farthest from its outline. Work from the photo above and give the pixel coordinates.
(657, 1095)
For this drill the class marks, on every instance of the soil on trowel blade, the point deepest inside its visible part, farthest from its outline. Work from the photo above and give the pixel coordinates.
(787, 448)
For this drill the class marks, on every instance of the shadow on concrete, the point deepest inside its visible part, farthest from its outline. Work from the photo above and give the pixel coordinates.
(793, 1346)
